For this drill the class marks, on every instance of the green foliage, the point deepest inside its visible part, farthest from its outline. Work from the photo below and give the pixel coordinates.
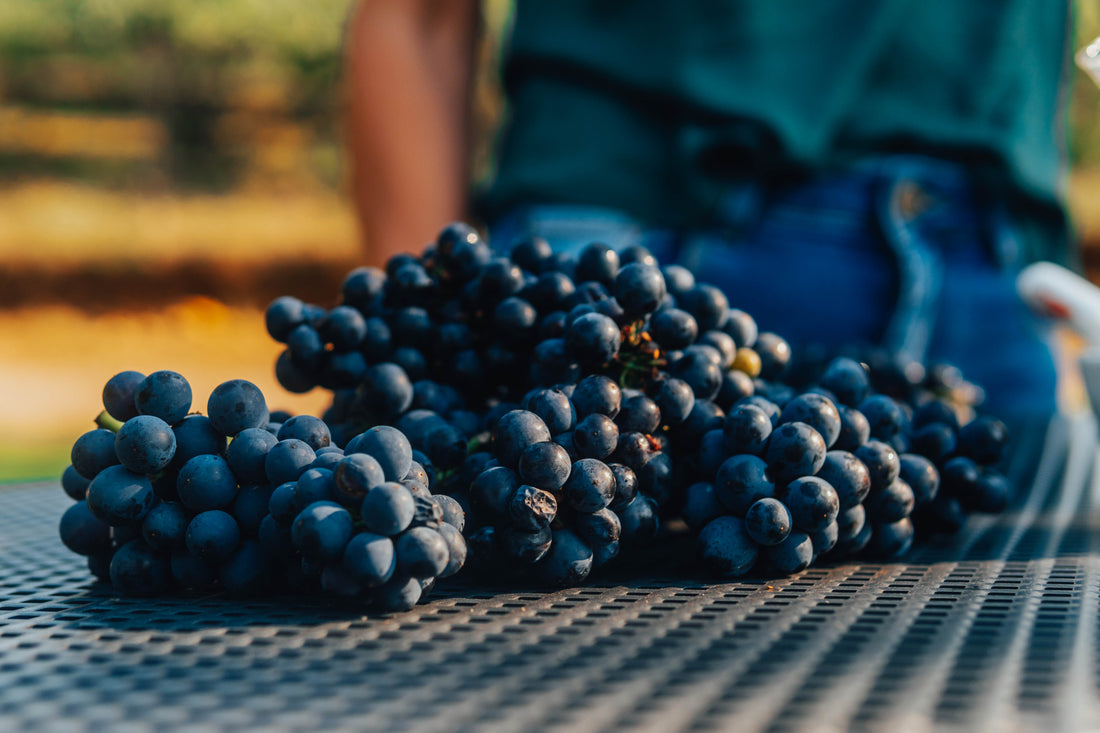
(289, 28)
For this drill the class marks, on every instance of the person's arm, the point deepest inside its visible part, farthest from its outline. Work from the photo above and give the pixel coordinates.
(409, 68)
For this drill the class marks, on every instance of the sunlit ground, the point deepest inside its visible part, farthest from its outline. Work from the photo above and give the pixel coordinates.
(54, 361)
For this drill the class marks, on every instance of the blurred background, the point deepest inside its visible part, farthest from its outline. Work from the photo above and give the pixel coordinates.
(167, 167)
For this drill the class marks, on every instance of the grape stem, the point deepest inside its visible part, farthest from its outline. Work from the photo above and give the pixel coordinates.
(105, 421)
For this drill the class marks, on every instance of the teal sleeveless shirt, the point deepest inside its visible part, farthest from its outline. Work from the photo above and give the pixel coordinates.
(655, 106)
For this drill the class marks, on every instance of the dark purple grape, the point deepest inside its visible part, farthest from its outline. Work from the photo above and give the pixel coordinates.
(794, 449)
(813, 503)
(746, 430)
(741, 481)
(145, 444)
(768, 521)
(639, 288)
(547, 465)
(568, 562)
(818, 412)
(591, 486)
(93, 452)
(725, 548)
(882, 463)
(164, 394)
(848, 475)
(984, 440)
(119, 393)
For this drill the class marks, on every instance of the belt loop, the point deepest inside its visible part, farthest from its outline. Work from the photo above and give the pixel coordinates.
(919, 268)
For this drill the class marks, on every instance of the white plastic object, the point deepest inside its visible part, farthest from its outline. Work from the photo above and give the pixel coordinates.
(1059, 293)
(1088, 59)
(1056, 292)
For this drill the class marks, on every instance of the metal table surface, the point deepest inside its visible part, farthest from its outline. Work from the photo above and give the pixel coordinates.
(995, 630)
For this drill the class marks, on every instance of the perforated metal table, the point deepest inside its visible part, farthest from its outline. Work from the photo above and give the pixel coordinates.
(996, 630)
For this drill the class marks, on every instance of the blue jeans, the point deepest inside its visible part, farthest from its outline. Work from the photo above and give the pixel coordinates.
(897, 251)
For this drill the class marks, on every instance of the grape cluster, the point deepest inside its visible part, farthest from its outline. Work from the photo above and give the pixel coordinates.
(166, 498)
(578, 406)
(837, 468)
(551, 414)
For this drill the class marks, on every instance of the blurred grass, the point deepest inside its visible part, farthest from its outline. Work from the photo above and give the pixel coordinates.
(55, 361)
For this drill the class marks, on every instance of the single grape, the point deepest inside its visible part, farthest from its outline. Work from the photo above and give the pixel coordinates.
(212, 536)
(794, 449)
(983, 440)
(311, 430)
(569, 560)
(743, 480)
(206, 482)
(164, 526)
(370, 558)
(321, 531)
(196, 436)
(882, 463)
(591, 486)
(145, 444)
(456, 549)
(388, 446)
(547, 465)
(120, 498)
(388, 509)
(848, 475)
(793, 554)
(246, 570)
(93, 452)
(421, 553)
(921, 475)
(597, 394)
(118, 395)
(813, 503)
(287, 459)
(137, 570)
(164, 394)
(639, 288)
(75, 485)
(746, 430)
(725, 548)
(768, 521)
(83, 532)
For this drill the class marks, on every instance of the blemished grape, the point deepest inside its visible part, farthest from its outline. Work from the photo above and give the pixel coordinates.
(533, 415)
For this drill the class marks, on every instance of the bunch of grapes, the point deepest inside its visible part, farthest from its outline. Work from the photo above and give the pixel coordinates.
(166, 498)
(838, 469)
(554, 414)
(602, 397)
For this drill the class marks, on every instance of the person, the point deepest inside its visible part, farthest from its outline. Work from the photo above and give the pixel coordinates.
(848, 173)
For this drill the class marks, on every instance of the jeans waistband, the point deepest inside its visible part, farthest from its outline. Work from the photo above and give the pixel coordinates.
(926, 187)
